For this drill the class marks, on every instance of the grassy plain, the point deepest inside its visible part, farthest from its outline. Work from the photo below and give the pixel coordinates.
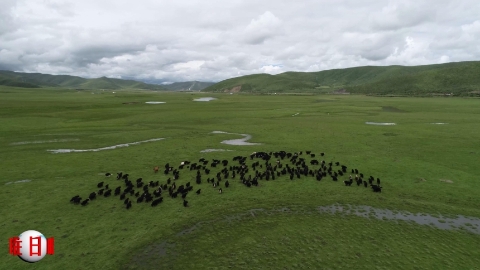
(104, 235)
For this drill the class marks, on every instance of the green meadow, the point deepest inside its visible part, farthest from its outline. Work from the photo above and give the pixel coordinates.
(424, 168)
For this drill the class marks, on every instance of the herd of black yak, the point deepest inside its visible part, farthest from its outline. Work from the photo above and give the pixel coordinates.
(292, 164)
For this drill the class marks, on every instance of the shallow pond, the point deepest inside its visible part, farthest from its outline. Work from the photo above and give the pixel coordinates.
(204, 99)
(242, 141)
(380, 124)
(56, 151)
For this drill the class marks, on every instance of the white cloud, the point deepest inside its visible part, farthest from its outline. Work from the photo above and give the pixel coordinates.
(271, 69)
(265, 27)
(215, 40)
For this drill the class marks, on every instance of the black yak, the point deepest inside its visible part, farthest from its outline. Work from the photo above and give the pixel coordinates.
(85, 202)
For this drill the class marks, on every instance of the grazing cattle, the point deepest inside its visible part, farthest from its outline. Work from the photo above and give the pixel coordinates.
(85, 202)
(359, 181)
(157, 201)
(348, 183)
(108, 193)
(76, 199)
(296, 166)
(92, 196)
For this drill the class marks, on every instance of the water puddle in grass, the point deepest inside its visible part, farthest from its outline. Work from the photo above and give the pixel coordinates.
(214, 150)
(155, 102)
(49, 141)
(57, 151)
(380, 124)
(20, 181)
(204, 99)
(242, 141)
(470, 224)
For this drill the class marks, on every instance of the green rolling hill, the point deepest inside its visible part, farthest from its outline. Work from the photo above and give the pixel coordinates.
(37, 80)
(459, 78)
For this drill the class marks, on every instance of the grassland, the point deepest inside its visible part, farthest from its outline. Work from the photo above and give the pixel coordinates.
(459, 78)
(104, 235)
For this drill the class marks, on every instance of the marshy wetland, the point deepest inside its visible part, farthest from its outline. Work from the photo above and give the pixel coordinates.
(419, 219)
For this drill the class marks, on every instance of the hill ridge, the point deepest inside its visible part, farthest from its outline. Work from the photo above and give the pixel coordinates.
(38, 80)
(457, 78)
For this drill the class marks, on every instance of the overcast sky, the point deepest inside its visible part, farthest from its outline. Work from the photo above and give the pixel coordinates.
(212, 40)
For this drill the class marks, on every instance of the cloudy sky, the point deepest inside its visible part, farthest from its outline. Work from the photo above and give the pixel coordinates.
(212, 40)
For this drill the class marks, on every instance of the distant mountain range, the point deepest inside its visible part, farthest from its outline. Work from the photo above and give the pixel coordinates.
(188, 86)
(459, 78)
(38, 80)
